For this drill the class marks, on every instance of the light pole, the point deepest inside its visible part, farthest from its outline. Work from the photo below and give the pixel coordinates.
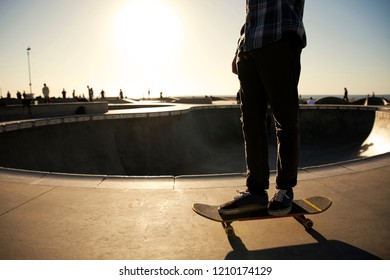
(29, 70)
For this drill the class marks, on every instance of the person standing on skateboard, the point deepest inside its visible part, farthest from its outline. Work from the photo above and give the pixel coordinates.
(267, 62)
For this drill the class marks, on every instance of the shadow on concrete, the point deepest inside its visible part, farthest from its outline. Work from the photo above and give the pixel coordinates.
(323, 250)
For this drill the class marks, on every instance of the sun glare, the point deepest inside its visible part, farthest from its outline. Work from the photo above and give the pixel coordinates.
(146, 32)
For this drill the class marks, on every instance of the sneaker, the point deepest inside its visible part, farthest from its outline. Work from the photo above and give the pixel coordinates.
(281, 203)
(243, 203)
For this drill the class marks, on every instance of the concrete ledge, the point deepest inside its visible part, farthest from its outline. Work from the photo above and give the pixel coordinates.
(181, 182)
(99, 111)
(342, 168)
(69, 180)
(209, 181)
(18, 112)
(138, 183)
(179, 109)
(20, 176)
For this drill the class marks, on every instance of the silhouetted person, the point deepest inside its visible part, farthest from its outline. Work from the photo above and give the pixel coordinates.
(90, 93)
(311, 101)
(46, 93)
(345, 95)
(63, 93)
(267, 62)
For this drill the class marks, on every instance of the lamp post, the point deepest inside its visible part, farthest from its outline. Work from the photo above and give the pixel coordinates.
(29, 70)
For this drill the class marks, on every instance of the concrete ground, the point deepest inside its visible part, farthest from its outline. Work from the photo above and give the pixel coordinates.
(54, 216)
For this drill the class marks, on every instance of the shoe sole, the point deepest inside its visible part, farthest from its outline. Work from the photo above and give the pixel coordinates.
(242, 210)
(281, 212)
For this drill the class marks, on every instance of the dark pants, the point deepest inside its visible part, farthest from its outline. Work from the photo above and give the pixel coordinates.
(270, 75)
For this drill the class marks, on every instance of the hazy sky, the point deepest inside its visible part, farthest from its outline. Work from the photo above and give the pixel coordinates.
(181, 47)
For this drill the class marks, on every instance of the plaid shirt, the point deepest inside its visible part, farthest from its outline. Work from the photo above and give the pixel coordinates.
(267, 20)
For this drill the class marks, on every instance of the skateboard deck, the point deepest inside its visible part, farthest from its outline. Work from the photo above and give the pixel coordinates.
(300, 208)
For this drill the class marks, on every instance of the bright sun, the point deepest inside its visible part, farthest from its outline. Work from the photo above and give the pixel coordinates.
(146, 32)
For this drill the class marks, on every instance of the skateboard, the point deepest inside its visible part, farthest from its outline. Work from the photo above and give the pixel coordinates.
(300, 208)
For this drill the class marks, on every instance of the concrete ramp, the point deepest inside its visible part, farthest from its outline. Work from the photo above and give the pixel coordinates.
(378, 142)
(190, 142)
(196, 140)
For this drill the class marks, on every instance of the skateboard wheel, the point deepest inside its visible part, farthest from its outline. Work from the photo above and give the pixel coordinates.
(307, 223)
(229, 230)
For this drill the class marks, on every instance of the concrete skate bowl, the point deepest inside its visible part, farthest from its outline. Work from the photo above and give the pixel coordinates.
(198, 140)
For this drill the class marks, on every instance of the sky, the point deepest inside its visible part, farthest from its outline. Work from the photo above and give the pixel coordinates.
(180, 47)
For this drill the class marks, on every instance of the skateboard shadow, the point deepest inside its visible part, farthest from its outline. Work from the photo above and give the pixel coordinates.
(323, 250)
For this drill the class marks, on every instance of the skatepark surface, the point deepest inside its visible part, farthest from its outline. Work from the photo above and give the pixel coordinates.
(54, 215)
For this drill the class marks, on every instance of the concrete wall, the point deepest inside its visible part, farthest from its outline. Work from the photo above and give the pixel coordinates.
(199, 140)
(17, 112)
(188, 142)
